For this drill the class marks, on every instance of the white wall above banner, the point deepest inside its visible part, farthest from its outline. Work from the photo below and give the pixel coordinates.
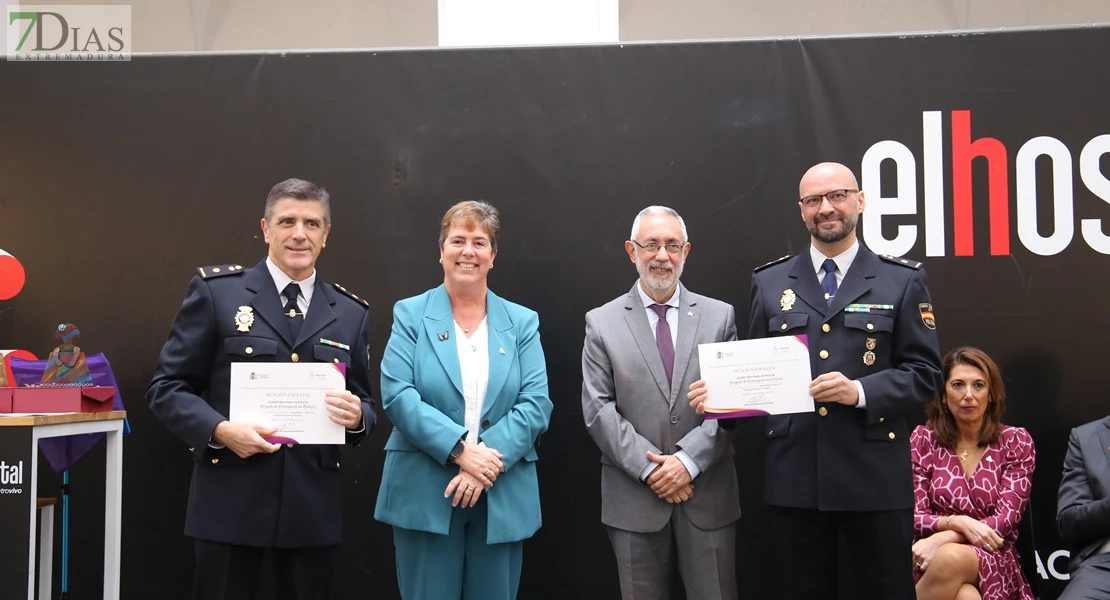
(527, 22)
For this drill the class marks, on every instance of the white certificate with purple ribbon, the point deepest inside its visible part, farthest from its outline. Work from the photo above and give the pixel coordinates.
(289, 397)
(749, 378)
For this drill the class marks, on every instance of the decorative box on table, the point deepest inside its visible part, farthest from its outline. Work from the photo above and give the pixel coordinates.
(55, 399)
(5, 400)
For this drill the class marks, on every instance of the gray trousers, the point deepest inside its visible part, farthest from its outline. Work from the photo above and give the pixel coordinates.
(706, 560)
(1091, 581)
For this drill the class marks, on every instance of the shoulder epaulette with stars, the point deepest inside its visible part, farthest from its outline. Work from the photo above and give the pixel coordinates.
(773, 262)
(905, 262)
(350, 295)
(219, 271)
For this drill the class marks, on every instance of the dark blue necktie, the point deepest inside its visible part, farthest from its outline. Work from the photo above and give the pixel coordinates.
(296, 317)
(828, 284)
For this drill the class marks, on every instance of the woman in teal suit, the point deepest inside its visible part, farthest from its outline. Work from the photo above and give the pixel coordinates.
(464, 383)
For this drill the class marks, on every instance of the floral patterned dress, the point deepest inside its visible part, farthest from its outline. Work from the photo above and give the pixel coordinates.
(995, 494)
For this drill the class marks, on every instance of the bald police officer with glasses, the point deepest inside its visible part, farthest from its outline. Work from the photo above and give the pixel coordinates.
(844, 469)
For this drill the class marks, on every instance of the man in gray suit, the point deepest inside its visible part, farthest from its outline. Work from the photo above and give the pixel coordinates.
(1083, 511)
(639, 358)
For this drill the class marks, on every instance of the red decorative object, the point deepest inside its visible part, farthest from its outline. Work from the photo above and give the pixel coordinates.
(12, 276)
(62, 399)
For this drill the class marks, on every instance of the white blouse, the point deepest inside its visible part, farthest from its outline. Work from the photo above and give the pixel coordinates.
(474, 363)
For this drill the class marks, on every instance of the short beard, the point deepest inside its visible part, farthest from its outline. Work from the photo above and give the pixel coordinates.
(658, 283)
(831, 237)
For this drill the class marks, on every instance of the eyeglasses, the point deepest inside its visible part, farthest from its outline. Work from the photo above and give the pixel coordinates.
(834, 197)
(652, 247)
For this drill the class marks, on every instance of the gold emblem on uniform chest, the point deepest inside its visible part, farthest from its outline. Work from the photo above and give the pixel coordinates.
(244, 319)
(869, 356)
(788, 299)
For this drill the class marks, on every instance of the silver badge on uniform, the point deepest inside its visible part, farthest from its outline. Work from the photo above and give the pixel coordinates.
(244, 319)
(788, 299)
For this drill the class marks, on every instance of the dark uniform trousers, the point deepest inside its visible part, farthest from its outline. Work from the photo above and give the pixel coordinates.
(844, 471)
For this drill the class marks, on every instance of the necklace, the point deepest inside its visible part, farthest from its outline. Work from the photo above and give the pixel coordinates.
(963, 454)
(465, 328)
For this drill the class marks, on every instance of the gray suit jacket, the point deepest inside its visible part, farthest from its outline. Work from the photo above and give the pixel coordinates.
(1083, 508)
(629, 409)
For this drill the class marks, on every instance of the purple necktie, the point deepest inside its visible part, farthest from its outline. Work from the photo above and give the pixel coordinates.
(663, 339)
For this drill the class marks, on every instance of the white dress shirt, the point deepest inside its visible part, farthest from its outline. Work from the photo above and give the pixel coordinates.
(672, 320)
(653, 317)
(843, 261)
(281, 280)
(474, 364)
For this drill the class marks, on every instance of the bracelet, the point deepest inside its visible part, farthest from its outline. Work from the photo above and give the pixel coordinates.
(948, 523)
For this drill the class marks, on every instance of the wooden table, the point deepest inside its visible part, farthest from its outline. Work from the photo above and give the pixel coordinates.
(19, 461)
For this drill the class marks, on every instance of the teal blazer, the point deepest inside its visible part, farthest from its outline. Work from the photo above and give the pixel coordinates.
(422, 396)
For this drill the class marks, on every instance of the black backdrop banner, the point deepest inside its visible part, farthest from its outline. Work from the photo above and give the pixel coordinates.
(984, 155)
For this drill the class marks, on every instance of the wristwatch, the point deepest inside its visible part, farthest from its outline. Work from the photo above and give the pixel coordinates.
(456, 451)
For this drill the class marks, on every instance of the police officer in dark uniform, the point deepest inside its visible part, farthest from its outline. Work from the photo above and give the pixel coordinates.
(247, 495)
(844, 470)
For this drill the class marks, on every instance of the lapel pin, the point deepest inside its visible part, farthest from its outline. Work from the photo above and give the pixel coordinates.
(500, 350)
(690, 313)
(443, 336)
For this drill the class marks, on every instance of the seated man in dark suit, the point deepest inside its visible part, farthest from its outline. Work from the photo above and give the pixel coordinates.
(1083, 511)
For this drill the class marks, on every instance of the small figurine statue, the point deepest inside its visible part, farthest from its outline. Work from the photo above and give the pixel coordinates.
(66, 363)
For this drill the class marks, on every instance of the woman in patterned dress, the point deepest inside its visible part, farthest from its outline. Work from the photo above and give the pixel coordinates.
(972, 477)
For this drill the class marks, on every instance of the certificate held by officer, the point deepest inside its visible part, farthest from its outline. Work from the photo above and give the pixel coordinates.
(289, 398)
(750, 378)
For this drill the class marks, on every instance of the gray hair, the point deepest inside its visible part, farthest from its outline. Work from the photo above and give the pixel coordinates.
(297, 189)
(658, 210)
